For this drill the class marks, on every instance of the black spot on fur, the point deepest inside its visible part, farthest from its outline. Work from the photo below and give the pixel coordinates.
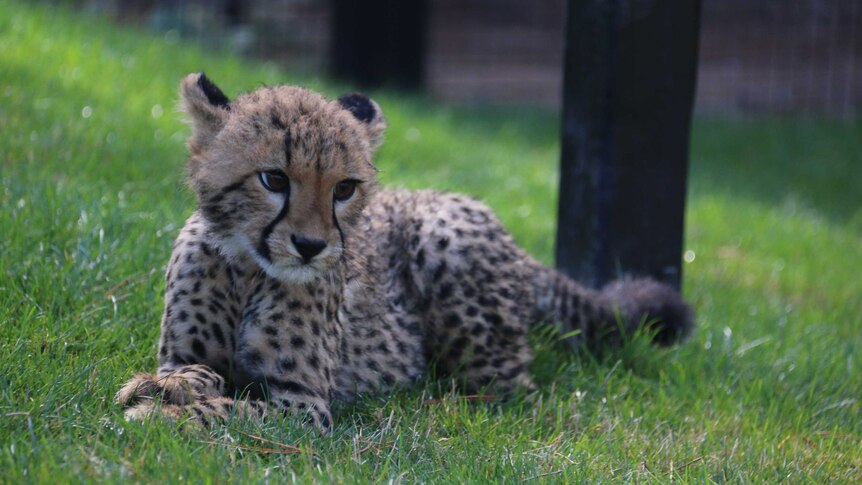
(289, 386)
(359, 105)
(438, 272)
(214, 95)
(286, 364)
(276, 121)
(288, 143)
(445, 291)
(252, 358)
(219, 335)
(492, 318)
(198, 349)
(452, 321)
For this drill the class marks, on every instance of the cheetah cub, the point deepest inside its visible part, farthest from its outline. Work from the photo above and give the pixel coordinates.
(297, 281)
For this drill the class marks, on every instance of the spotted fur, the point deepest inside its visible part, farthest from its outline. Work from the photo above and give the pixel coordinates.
(295, 295)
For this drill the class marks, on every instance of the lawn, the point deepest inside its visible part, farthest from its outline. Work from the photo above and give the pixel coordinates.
(92, 150)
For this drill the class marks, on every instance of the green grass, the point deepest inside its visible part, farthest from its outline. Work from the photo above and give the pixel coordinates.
(768, 388)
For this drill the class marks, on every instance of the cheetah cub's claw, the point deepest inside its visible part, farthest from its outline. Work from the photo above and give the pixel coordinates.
(180, 387)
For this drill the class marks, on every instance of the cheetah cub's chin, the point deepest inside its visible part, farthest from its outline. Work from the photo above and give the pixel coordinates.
(297, 282)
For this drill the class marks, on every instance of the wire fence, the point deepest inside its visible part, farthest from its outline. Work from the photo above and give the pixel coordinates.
(790, 56)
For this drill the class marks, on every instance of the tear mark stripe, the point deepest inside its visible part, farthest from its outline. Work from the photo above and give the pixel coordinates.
(262, 246)
(340, 233)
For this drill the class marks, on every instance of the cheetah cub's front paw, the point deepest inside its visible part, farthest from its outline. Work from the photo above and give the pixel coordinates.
(205, 411)
(180, 387)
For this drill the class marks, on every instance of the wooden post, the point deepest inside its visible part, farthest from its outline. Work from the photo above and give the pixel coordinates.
(629, 80)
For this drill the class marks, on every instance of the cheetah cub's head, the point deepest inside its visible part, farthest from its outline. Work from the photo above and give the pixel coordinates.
(281, 173)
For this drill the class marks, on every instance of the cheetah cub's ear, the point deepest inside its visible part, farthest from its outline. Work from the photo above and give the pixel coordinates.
(207, 107)
(368, 112)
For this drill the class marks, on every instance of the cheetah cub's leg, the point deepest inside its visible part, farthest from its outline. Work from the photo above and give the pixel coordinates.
(466, 271)
(480, 340)
(202, 304)
(287, 348)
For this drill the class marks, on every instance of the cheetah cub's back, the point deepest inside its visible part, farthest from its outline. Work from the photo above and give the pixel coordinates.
(298, 281)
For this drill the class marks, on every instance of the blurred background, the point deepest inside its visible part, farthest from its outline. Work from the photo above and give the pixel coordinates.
(795, 57)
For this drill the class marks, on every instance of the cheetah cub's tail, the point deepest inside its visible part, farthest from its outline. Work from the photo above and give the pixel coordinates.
(599, 317)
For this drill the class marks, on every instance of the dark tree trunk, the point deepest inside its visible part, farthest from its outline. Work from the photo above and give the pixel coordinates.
(629, 80)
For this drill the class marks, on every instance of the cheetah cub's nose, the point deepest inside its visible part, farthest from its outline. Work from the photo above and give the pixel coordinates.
(308, 248)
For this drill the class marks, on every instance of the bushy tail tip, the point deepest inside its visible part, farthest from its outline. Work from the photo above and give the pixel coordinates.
(656, 304)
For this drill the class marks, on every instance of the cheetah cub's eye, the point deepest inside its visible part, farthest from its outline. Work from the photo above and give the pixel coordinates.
(274, 181)
(344, 190)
